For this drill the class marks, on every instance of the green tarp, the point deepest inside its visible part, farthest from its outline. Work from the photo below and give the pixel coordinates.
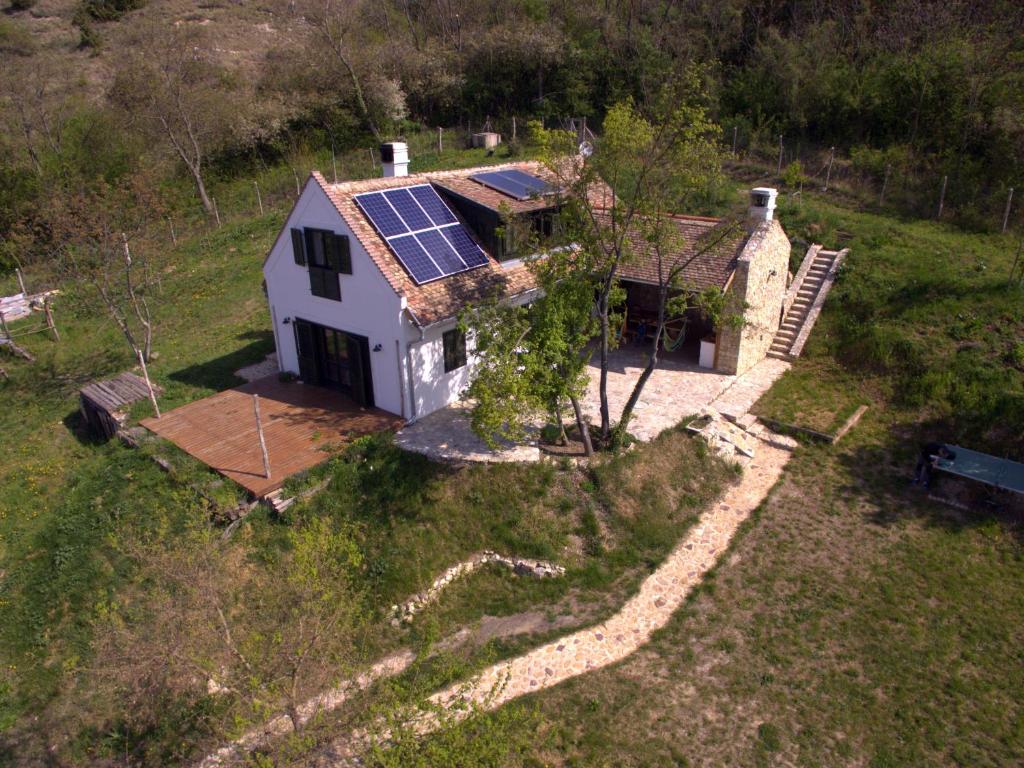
(1002, 473)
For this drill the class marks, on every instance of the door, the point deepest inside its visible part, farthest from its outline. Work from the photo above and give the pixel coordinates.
(332, 358)
(305, 343)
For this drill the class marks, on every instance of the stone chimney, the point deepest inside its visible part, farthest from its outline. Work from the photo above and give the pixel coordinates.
(394, 158)
(762, 205)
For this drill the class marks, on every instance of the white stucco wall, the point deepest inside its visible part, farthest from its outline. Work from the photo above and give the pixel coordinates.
(432, 388)
(369, 306)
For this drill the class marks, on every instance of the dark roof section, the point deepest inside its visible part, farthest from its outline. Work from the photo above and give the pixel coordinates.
(709, 270)
(491, 198)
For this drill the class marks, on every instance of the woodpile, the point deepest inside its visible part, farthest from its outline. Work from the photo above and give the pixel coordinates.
(104, 404)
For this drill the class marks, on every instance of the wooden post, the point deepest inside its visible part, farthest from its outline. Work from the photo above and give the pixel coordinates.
(298, 188)
(216, 212)
(259, 432)
(440, 140)
(49, 320)
(885, 183)
(1006, 213)
(828, 173)
(21, 280)
(735, 134)
(3, 325)
(779, 171)
(373, 161)
(149, 384)
(259, 197)
(942, 197)
(513, 127)
(174, 237)
(334, 162)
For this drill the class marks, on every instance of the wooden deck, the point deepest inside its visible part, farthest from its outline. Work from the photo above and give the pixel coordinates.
(301, 425)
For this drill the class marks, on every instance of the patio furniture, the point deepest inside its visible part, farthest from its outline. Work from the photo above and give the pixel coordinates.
(990, 470)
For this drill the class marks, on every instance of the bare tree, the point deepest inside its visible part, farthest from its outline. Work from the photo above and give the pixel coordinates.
(94, 233)
(174, 92)
(203, 622)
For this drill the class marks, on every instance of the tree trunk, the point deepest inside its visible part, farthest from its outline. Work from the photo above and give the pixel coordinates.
(582, 426)
(605, 415)
(204, 197)
(652, 363)
(557, 413)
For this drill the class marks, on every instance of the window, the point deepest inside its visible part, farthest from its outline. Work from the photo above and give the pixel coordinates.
(454, 349)
(327, 255)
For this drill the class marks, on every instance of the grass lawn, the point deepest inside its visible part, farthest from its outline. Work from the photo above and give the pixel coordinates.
(853, 621)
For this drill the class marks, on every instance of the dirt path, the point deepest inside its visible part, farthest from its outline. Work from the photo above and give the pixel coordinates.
(650, 609)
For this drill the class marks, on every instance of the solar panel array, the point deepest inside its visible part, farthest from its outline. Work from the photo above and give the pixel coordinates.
(517, 184)
(422, 232)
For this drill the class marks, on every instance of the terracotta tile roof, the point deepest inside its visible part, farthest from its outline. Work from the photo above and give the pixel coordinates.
(709, 270)
(440, 299)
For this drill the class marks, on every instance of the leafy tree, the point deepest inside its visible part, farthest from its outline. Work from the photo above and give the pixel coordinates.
(644, 167)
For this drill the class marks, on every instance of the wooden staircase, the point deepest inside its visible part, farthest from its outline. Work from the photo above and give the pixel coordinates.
(804, 300)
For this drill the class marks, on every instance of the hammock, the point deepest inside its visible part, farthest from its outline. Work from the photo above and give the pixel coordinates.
(668, 343)
(621, 334)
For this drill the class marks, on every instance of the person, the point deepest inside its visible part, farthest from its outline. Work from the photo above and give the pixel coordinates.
(930, 453)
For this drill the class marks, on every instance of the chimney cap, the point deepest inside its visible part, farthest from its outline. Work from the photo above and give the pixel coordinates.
(394, 158)
(762, 203)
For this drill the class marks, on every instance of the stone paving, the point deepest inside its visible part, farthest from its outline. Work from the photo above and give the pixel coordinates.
(266, 367)
(446, 435)
(677, 388)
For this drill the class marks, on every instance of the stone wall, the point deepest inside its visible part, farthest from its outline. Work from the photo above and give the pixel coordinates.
(760, 282)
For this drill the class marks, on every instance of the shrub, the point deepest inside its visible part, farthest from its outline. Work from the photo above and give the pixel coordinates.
(108, 10)
(21, 5)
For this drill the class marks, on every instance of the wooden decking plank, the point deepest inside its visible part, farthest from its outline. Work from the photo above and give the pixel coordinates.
(298, 421)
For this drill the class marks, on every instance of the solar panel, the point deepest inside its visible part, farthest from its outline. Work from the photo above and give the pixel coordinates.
(422, 232)
(514, 183)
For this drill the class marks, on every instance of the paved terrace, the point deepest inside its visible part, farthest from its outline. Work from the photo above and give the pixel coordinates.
(677, 388)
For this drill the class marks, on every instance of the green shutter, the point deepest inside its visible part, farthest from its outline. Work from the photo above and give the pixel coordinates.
(298, 247)
(343, 255)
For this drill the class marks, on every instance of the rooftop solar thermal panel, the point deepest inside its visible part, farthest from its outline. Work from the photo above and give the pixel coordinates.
(407, 207)
(380, 212)
(497, 180)
(415, 259)
(463, 244)
(535, 184)
(429, 200)
(422, 232)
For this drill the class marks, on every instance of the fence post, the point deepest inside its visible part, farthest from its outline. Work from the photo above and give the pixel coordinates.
(174, 237)
(259, 432)
(513, 127)
(373, 161)
(216, 212)
(298, 188)
(1006, 213)
(942, 197)
(149, 384)
(334, 162)
(828, 173)
(3, 326)
(259, 197)
(779, 171)
(49, 319)
(21, 280)
(735, 133)
(885, 183)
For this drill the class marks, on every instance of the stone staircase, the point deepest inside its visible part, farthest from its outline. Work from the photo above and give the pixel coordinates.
(804, 300)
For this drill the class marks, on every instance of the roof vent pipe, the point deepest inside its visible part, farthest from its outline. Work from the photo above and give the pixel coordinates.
(762, 204)
(394, 158)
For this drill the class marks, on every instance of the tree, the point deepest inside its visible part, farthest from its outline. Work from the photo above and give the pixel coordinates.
(532, 360)
(204, 628)
(644, 168)
(176, 94)
(92, 232)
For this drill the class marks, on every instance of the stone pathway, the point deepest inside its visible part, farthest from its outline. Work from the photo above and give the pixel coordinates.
(595, 647)
(446, 435)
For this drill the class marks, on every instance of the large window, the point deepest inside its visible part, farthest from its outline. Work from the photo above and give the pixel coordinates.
(454, 349)
(326, 255)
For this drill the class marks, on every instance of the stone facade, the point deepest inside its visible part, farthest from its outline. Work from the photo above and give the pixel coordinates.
(760, 282)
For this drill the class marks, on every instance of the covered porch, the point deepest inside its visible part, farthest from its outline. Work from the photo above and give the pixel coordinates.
(682, 342)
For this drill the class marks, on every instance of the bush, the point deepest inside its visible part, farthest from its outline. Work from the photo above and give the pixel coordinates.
(108, 10)
(21, 5)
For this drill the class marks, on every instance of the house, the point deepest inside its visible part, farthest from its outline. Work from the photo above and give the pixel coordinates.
(367, 278)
